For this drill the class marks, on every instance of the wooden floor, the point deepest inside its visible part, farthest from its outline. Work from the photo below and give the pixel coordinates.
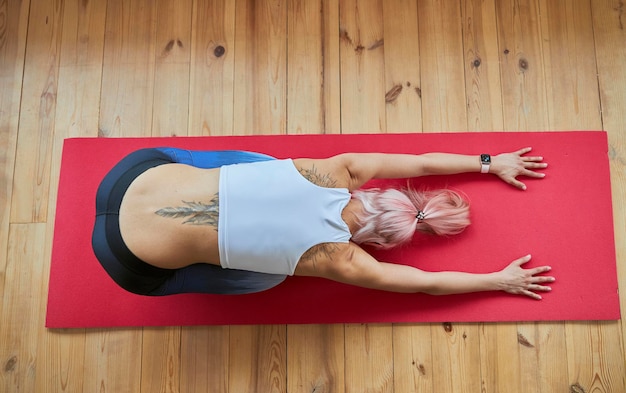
(115, 68)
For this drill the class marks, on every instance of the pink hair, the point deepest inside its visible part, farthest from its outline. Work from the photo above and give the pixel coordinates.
(389, 217)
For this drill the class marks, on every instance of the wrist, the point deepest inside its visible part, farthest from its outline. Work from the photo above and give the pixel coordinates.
(495, 281)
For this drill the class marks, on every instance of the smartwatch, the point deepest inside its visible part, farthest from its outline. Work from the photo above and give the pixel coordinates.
(485, 162)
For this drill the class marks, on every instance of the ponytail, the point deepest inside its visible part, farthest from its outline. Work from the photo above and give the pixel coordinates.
(390, 217)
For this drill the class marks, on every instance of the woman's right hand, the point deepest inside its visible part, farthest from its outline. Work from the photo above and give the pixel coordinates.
(516, 280)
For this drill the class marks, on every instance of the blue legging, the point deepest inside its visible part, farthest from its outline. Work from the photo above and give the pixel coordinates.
(139, 277)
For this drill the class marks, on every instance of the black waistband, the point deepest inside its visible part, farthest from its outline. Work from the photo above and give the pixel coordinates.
(108, 202)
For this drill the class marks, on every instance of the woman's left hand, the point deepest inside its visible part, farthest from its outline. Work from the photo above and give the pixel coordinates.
(508, 166)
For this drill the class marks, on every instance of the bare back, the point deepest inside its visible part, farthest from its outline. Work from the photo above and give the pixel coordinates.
(169, 214)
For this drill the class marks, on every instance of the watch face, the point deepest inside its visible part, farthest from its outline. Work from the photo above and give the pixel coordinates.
(485, 158)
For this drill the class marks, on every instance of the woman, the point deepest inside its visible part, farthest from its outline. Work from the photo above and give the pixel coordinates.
(177, 221)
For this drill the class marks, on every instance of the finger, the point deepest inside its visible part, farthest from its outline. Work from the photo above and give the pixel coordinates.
(517, 184)
(531, 294)
(523, 151)
(522, 260)
(532, 158)
(540, 288)
(529, 173)
(535, 165)
(540, 270)
(543, 279)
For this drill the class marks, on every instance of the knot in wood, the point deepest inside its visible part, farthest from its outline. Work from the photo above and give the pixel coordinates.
(523, 64)
(576, 388)
(219, 51)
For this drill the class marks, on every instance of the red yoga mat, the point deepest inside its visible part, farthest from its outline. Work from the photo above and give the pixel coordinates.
(564, 220)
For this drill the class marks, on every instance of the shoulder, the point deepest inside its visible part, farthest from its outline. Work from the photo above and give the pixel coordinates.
(321, 259)
(333, 172)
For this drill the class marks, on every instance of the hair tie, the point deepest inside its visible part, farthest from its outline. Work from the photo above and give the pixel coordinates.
(420, 216)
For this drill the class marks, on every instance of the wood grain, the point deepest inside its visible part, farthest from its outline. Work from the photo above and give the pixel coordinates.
(403, 96)
(312, 55)
(260, 67)
(22, 302)
(413, 366)
(37, 112)
(171, 84)
(315, 358)
(258, 361)
(521, 66)
(568, 44)
(482, 66)
(126, 101)
(204, 359)
(441, 65)
(12, 52)
(362, 70)
(211, 90)
(369, 358)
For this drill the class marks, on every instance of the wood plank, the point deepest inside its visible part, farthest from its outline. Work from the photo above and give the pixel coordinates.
(609, 33)
(402, 67)
(258, 359)
(12, 53)
(212, 68)
(413, 367)
(39, 92)
(171, 83)
(369, 358)
(312, 55)
(161, 359)
(500, 367)
(542, 350)
(61, 353)
(455, 350)
(482, 66)
(315, 357)
(21, 318)
(441, 60)
(362, 67)
(567, 43)
(112, 360)
(332, 80)
(126, 102)
(521, 66)
(204, 359)
(260, 67)
(60, 359)
(595, 357)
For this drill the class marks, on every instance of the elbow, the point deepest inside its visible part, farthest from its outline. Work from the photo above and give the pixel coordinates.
(430, 286)
(433, 291)
(428, 165)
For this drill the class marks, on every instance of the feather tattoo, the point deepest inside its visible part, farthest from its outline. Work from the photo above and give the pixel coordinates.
(196, 213)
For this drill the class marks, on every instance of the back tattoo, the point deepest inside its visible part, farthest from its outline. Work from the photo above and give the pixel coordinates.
(196, 213)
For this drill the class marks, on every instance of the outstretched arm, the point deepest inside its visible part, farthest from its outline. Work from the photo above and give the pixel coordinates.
(508, 166)
(357, 267)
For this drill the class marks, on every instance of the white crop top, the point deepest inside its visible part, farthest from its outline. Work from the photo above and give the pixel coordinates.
(270, 215)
